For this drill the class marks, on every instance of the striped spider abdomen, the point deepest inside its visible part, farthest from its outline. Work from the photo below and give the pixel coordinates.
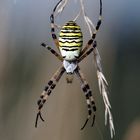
(70, 41)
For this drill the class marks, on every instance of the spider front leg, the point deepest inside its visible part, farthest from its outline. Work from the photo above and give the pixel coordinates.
(88, 94)
(47, 91)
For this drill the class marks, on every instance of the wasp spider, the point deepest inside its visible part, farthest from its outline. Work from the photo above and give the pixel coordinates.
(70, 46)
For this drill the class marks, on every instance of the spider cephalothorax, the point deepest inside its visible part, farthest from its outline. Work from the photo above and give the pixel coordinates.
(70, 44)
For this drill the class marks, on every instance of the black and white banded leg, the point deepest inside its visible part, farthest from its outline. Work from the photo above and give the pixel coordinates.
(47, 91)
(90, 42)
(54, 37)
(88, 52)
(52, 51)
(88, 94)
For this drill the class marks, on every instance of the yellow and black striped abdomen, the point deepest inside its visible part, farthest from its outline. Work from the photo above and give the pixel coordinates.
(70, 41)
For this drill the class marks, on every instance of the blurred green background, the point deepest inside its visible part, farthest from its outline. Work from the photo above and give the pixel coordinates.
(25, 68)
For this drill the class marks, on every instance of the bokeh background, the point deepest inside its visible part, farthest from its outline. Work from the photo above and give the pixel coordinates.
(25, 68)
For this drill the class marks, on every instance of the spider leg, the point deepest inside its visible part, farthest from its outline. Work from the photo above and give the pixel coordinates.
(54, 37)
(47, 91)
(87, 53)
(52, 51)
(88, 45)
(88, 94)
